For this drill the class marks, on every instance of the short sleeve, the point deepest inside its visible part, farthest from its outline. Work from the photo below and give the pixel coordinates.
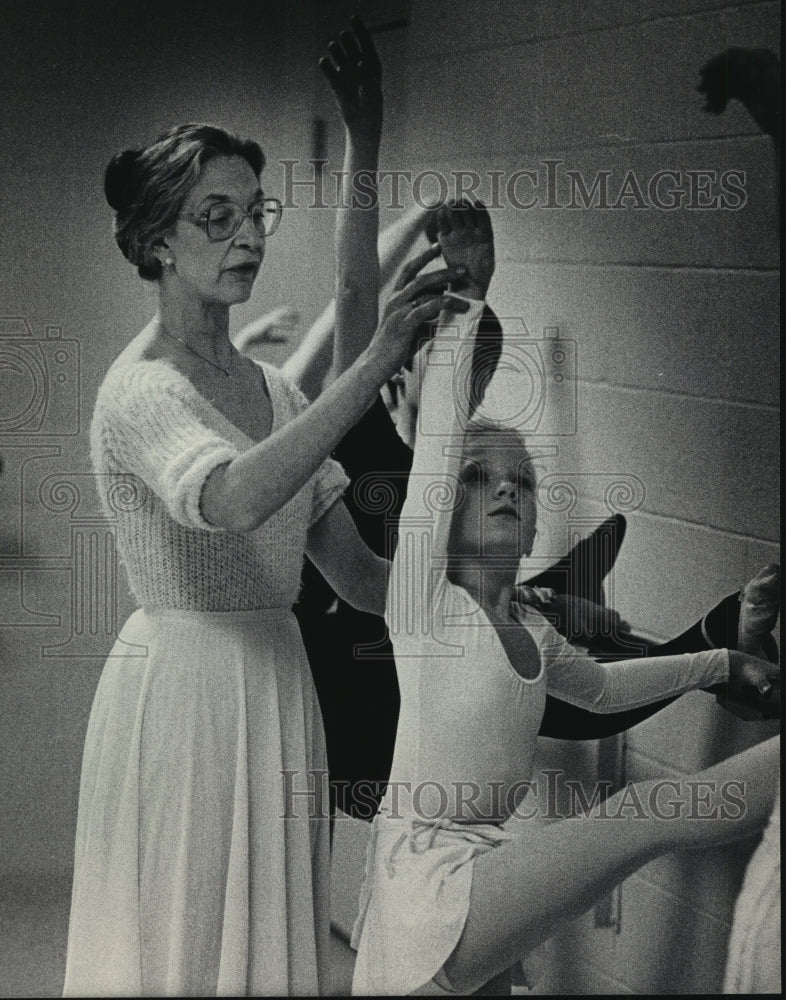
(330, 482)
(145, 426)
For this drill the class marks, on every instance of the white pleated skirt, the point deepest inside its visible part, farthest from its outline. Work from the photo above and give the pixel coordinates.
(202, 845)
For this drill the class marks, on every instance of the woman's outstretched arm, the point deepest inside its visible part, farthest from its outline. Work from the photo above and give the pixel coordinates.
(356, 574)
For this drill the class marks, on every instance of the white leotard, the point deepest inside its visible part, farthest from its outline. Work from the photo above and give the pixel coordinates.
(466, 715)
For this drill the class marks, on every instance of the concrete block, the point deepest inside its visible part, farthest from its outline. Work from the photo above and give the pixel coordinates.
(706, 462)
(665, 946)
(630, 84)
(669, 574)
(693, 733)
(698, 333)
(709, 881)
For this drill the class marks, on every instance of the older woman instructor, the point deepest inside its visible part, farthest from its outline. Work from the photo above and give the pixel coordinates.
(199, 868)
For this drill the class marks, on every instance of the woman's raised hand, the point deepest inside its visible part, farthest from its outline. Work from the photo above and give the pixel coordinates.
(354, 72)
(404, 325)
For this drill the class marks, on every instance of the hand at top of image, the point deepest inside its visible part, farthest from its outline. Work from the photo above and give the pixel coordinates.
(354, 72)
(467, 241)
(751, 76)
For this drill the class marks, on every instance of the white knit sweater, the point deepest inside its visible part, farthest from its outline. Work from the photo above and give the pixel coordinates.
(155, 440)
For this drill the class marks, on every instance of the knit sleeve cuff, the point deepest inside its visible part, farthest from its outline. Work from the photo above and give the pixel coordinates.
(185, 476)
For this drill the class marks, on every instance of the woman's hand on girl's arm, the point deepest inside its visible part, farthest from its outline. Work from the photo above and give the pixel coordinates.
(413, 307)
(355, 573)
(243, 493)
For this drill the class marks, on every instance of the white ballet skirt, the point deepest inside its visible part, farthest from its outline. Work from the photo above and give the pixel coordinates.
(430, 864)
(197, 870)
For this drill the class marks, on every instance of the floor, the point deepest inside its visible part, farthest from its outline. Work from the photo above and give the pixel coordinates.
(34, 929)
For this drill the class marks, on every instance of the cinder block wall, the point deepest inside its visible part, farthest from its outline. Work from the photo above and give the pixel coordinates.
(675, 319)
(674, 315)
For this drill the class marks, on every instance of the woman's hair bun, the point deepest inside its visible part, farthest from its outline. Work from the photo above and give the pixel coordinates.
(121, 180)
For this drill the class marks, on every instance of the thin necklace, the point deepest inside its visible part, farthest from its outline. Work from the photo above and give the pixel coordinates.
(188, 347)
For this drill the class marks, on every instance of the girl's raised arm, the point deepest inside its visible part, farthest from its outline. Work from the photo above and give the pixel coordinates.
(354, 72)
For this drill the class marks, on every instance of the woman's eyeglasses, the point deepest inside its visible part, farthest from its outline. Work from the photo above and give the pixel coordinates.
(222, 220)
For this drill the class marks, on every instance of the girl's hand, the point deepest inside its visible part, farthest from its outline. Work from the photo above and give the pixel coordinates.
(752, 76)
(467, 241)
(355, 74)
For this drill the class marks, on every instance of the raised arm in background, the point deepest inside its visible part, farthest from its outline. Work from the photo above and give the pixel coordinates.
(311, 365)
(355, 74)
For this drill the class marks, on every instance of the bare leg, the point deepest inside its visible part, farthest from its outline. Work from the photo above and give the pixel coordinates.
(524, 889)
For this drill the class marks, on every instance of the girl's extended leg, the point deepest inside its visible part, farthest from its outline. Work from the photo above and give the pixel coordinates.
(523, 889)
